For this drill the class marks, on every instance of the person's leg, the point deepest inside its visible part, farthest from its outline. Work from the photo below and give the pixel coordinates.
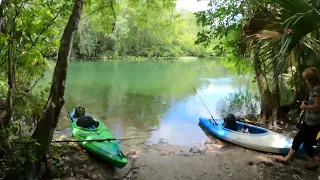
(297, 141)
(310, 137)
(289, 155)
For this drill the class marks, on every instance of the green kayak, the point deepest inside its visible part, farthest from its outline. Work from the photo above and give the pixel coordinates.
(108, 150)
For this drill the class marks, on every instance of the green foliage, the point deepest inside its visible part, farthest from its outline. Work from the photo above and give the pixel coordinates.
(38, 31)
(29, 107)
(280, 31)
(35, 27)
(142, 29)
(221, 18)
(236, 64)
(17, 148)
(287, 93)
(302, 19)
(240, 104)
(222, 30)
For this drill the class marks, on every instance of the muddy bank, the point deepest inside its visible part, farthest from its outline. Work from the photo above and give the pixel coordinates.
(213, 160)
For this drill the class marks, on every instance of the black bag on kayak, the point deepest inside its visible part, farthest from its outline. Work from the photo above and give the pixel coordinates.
(230, 122)
(85, 122)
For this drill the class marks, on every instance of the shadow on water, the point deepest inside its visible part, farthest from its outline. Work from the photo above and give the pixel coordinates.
(149, 98)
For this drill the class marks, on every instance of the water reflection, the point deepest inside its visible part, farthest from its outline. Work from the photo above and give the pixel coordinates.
(180, 126)
(141, 98)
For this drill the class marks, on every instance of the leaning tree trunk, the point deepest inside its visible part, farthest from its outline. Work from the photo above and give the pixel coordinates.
(268, 103)
(45, 128)
(48, 122)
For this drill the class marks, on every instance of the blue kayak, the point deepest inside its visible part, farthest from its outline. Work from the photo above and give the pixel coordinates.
(257, 138)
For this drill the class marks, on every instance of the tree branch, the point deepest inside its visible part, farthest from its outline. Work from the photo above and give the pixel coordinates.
(28, 35)
(114, 16)
(46, 27)
(94, 11)
(35, 83)
(171, 16)
(101, 8)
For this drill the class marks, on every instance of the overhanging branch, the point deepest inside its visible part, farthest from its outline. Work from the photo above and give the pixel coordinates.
(114, 16)
(94, 11)
(101, 8)
(46, 27)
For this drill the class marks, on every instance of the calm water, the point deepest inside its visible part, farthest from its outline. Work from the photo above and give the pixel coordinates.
(150, 98)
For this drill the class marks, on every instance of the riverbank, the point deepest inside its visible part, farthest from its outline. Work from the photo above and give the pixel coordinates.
(213, 160)
(138, 58)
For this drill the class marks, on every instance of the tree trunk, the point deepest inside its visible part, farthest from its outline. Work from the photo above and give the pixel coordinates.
(268, 102)
(11, 73)
(276, 85)
(48, 122)
(276, 91)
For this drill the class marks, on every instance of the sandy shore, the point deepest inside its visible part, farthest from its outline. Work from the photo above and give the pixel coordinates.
(214, 160)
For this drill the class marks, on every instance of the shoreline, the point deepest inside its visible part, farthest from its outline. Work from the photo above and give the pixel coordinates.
(137, 58)
(213, 160)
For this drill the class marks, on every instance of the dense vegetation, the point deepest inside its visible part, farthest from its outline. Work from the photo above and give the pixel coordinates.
(33, 31)
(271, 37)
(136, 29)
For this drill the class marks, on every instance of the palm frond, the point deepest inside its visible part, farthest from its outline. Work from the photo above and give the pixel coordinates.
(280, 30)
(297, 18)
(313, 44)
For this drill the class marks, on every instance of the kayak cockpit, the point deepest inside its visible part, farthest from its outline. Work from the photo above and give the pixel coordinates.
(252, 129)
(87, 122)
(248, 128)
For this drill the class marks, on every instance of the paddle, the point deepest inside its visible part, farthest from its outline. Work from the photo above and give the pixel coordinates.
(100, 140)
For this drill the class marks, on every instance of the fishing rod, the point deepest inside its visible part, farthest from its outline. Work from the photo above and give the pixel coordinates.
(202, 101)
(303, 112)
(65, 106)
(67, 109)
(100, 140)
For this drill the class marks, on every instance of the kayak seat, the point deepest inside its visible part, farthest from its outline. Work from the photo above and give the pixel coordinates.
(95, 125)
(252, 129)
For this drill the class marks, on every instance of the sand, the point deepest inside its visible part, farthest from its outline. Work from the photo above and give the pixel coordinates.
(213, 160)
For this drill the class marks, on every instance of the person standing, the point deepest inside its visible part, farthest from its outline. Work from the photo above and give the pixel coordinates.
(310, 127)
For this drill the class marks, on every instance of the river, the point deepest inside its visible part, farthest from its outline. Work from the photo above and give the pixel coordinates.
(153, 98)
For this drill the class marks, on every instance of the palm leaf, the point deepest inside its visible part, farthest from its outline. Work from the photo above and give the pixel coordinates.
(279, 30)
(313, 44)
(298, 18)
